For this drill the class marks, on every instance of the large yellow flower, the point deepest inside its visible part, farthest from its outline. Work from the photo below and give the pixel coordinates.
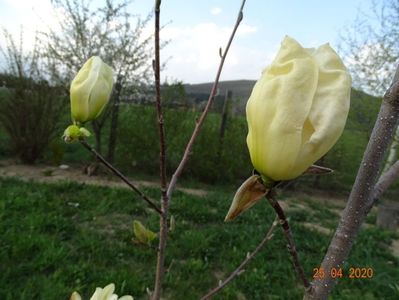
(297, 110)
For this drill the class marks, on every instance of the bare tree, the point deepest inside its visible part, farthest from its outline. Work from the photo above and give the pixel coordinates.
(30, 108)
(109, 32)
(371, 46)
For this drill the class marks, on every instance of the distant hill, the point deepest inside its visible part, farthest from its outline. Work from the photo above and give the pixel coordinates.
(364, 107)
(240, 88)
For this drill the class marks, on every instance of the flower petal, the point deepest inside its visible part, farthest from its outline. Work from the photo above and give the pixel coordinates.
(277, 109)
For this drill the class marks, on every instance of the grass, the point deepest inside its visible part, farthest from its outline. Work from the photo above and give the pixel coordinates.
(57, 238)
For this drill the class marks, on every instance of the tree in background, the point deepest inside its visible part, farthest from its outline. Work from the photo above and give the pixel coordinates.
(174, 94)
(109, 32)
(30, 108)
(371, 46)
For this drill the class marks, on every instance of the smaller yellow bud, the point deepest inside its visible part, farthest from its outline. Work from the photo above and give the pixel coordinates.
(90, 90)
(106, 293)
(75, 296)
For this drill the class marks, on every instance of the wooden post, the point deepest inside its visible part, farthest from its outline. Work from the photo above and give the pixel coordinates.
(114, 120)
(223, 122)
(388, 215)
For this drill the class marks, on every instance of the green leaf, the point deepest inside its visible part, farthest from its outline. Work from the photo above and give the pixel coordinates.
(142, 234)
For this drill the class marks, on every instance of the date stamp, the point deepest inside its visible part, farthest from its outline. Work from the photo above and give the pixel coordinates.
(353, 273)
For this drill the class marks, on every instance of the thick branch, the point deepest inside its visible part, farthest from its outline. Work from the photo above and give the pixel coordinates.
(245, 262)
(290, 240)
(201, 120)
(362, 193)
(120, 175)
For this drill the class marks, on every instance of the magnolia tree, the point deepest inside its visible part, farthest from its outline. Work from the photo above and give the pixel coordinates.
(296, 113)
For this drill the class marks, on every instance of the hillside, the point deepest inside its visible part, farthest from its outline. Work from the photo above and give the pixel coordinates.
(240, 88)
(364, 107)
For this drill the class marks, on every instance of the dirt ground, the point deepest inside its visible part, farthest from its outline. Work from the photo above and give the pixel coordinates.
(45, 173)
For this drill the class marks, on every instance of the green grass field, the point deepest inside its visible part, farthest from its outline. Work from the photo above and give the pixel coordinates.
(57, 238)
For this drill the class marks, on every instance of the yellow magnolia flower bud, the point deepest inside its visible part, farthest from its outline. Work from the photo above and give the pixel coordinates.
(297, 110)
(90, 90)
(75, 296)
(106, 293)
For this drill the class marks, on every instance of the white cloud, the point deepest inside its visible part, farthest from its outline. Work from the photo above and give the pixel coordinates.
(29, 16)
(246, 29)
(194, 53)
(216, 11)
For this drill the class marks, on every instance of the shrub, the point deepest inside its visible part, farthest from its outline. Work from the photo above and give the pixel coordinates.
(138, 145)
(30, 112)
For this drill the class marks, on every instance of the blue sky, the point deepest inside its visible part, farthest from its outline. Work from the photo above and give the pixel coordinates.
(196, 30)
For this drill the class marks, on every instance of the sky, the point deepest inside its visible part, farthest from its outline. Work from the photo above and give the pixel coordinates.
(197, 29)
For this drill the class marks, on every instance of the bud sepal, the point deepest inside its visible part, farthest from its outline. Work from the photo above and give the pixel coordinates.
(73, 133)
(250, 192)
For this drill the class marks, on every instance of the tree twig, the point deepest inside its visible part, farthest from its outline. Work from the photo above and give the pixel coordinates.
(385, 180)
(166, 193)
(163, 220)
(383, 183)
(201, 120)
(157, 75)
(244, 263)
(121, 176)
(362, 192)
(290, 240)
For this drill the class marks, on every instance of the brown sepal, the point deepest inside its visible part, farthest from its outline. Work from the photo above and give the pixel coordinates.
(250, 192)
(318, 170)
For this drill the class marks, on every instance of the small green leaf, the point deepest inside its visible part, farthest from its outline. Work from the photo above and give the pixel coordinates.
(84, 132)
(172, 224)
(142, 234)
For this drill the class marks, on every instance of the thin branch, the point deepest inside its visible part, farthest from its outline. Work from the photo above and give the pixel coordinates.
(163, 220)
(157, 75)
(385, 180)
(201, 120)
(245, 262)
(166, 193)
(362, 193)
(290, 240)
(120, 175)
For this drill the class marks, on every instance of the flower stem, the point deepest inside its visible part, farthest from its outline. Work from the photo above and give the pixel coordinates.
(245, 262)
(120, 175)
(290, 240)
(201, 119)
